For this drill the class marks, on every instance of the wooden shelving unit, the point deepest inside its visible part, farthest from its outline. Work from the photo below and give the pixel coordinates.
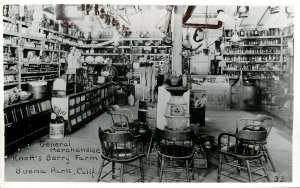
(82, 107)
(277, 96)
(258, 56)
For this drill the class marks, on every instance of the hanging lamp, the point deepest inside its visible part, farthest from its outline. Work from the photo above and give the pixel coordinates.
(235, 37)
(186, 41)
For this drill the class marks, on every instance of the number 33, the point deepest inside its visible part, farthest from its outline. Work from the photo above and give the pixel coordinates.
(279, 179)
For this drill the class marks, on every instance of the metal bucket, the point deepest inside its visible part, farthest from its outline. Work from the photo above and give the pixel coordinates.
(56, 130)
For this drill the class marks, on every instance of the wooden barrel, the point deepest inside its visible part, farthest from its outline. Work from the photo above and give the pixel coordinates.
(142, 114)
(142, 111)
(151, 115)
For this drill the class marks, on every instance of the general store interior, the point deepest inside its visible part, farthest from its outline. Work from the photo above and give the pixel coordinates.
(148, 93)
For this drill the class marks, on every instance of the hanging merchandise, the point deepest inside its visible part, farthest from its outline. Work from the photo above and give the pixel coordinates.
(148, 80)
(164, 23)
(97, 10)
(243, 11)
(143, 78)
(186, 42)
(289, 10)
(222, 45)
(107, 19)
(235, 38)
(206, 49)
(274, 9)
(102, 13)
(153, 84)
(198, 35)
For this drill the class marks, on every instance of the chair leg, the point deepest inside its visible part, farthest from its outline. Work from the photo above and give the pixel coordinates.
(219, 168)
(150, 146)
(237, 168)
(187, 170)
(269, 157)
(113, 170)
(264, 169)
(100, 170)
(122, 172)
(249, 171)
(142, 169)
(161, 169)
(158, 165)
(193, 166)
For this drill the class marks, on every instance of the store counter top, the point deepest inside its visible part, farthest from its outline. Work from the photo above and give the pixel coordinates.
(217, 89)
(95, 87)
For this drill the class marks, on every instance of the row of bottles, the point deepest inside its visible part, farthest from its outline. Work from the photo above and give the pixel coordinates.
(10, 27)
(267, 66)
(276, 41)
(288, 30)
(38, 77)
(251, 50)
(253, 58)
(254, 32)
(10, 79)
(9, 41)
(252, 75)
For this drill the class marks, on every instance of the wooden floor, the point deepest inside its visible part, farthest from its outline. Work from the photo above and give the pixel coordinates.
(75, 165)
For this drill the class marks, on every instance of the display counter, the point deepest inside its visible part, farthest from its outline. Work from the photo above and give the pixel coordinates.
(25, 121)
(80, 108)
(217, 90)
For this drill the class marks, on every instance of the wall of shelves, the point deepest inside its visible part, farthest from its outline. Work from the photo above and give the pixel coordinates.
(21, 36)
(130, 50)
(259, 54)
(277, 96)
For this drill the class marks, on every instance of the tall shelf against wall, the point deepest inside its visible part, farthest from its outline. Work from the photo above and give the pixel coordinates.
(22, 44)
(129, 51)
(277, 96)
(259, 54)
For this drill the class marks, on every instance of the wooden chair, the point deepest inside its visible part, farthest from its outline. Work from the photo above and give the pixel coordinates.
(120, 118)
(175, 147)
(256, 123)
(240, 151)
(120, 148)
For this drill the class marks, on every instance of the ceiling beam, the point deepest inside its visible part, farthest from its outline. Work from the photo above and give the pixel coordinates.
(188, 14)
(203, 26)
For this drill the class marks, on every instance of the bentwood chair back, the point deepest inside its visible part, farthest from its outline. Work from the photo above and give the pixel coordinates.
(242, 151)
(255, 123)
(119, 147)
(175, 146)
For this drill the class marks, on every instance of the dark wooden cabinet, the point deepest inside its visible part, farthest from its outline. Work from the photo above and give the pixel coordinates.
(26, 121)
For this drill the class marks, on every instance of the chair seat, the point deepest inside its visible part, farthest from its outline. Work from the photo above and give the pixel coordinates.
(176, 151)
(241, 151)
(122, 153)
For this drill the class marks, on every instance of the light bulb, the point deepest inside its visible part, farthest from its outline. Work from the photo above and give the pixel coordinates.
(235, 37)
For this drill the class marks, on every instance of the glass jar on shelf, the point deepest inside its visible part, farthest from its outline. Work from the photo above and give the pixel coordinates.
(242, 33)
